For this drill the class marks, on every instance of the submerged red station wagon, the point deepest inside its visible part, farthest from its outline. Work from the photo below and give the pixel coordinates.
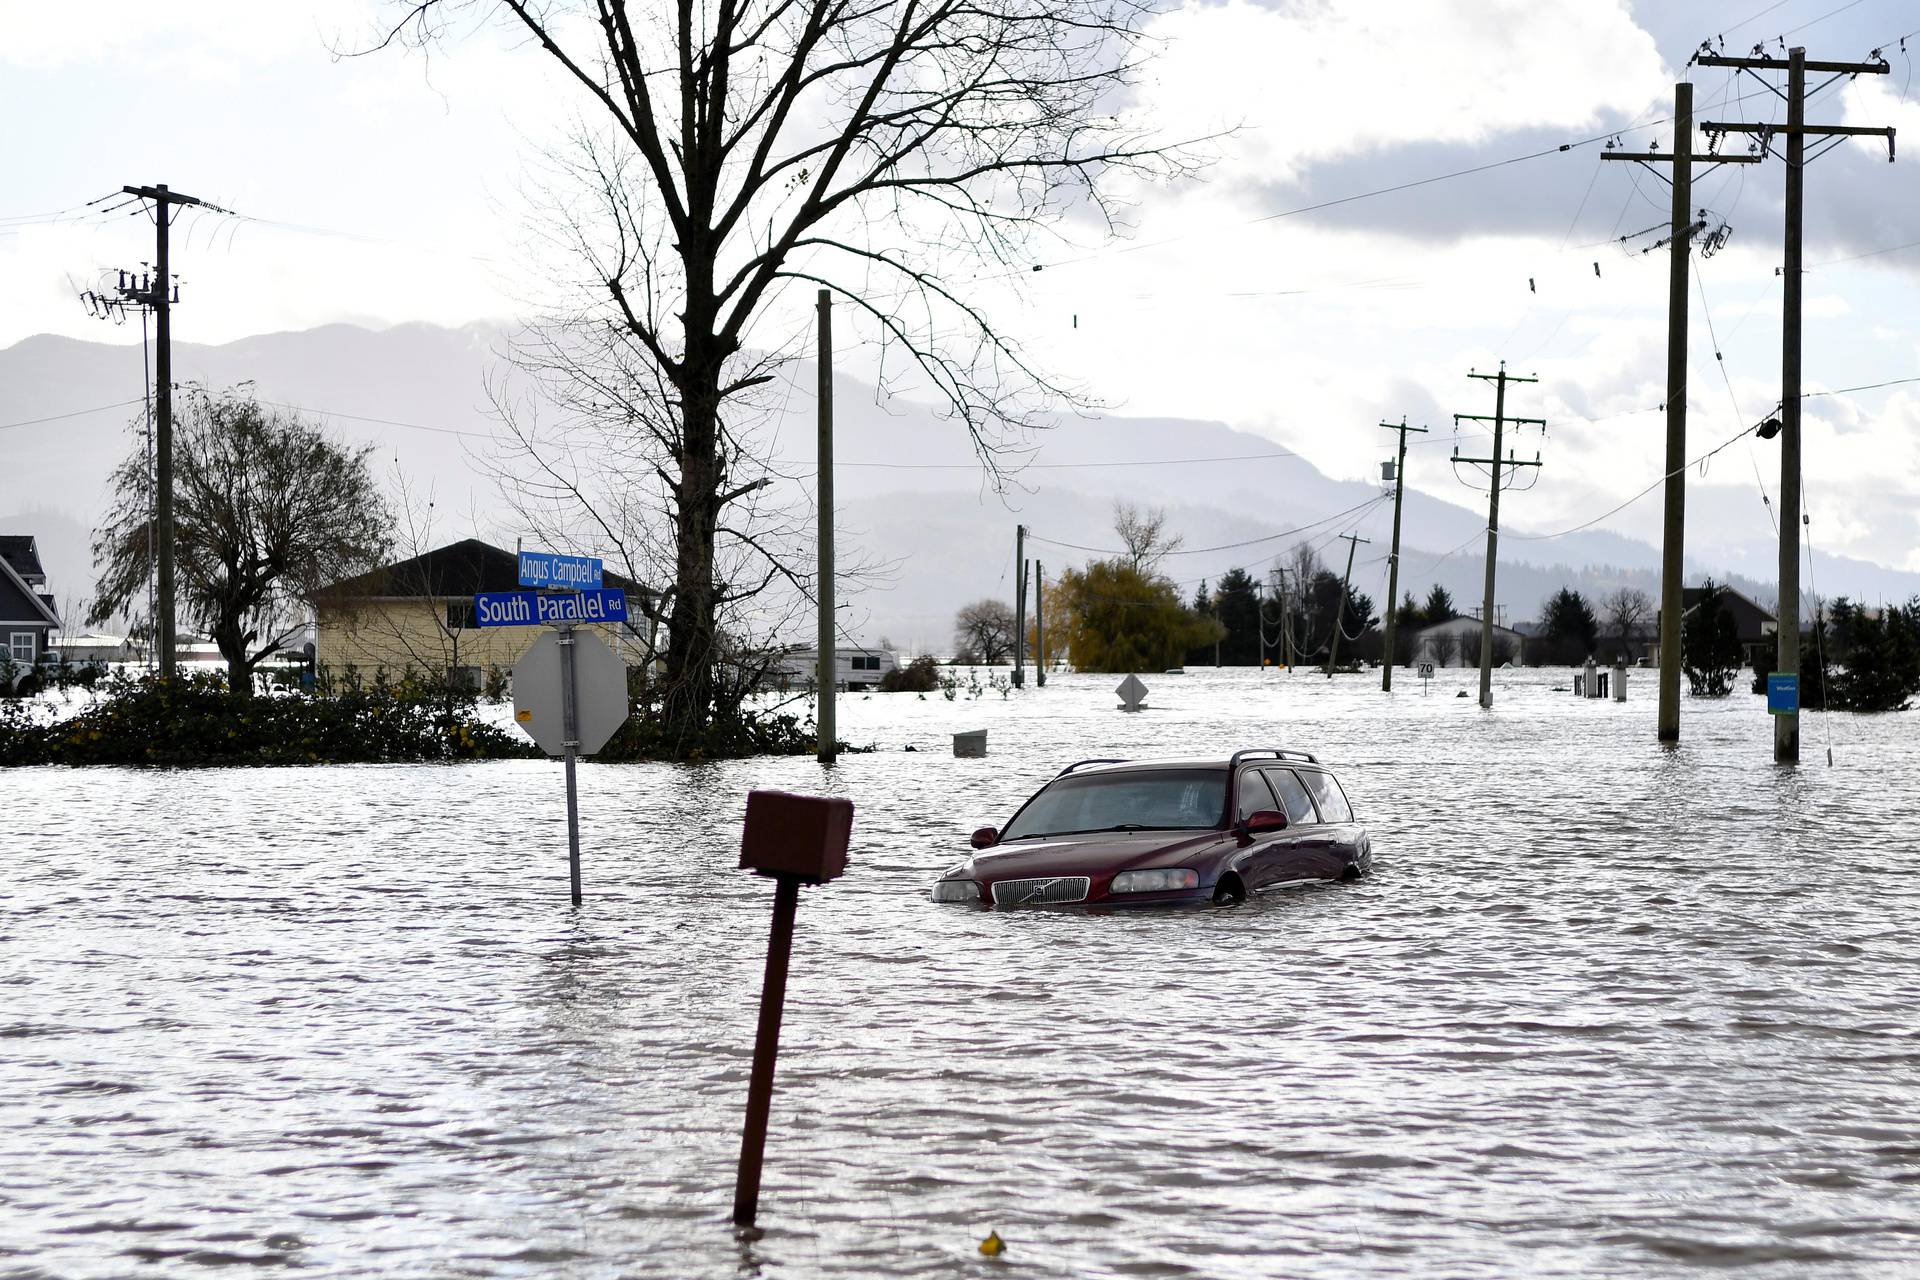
(1167, 833)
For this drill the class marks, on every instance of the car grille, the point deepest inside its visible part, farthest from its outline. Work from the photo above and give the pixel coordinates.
(1040, 891)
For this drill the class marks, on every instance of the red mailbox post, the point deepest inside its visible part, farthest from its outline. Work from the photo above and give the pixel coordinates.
(796, 840)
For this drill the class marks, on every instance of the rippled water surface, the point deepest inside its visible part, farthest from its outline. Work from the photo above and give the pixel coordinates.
(1604, 1009)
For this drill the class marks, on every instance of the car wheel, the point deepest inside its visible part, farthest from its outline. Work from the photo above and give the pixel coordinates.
(1229, 891)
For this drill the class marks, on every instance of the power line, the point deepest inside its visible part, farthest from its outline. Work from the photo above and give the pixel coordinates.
(1228, 546)
(1541, 537)
(77, 413)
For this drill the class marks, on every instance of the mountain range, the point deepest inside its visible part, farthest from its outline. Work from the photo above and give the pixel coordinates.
(909, 489)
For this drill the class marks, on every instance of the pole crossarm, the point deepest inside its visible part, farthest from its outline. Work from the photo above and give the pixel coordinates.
(163, 195)
(1879, 67)
(1401, 426)
(1488, 417)
(1500, 377)
(1666, 157)
(1508, 461)
(1805, 130)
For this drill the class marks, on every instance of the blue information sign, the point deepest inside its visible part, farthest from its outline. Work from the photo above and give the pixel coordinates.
(538, 608)
(556, 572)
(1783, 694)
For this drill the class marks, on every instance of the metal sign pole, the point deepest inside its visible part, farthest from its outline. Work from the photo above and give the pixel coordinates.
(570, 727)
(766, 1050)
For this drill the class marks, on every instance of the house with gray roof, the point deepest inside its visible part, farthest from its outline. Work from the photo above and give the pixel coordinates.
(26, 609)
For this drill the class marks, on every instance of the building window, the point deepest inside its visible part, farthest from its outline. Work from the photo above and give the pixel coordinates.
(20, 646)
(459, 615)
(866, 662)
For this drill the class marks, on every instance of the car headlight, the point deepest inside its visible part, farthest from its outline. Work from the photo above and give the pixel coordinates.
(956, 891)
(1155, 881)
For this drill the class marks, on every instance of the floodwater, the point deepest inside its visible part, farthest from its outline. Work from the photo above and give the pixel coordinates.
(1605, 1009)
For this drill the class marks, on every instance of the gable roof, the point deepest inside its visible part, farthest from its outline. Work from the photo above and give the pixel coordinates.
(18, 601)
(1464, 623)
(461, 568)
(1750, 620)
(20, 554)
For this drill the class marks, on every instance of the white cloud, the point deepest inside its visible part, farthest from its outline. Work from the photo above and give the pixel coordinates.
(1311, 80)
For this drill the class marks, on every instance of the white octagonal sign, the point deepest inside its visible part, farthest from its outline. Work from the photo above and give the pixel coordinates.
(600, 693)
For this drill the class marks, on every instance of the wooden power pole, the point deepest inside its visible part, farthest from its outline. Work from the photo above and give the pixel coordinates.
(1019, 605)
(1039, 626)
(161, 301)
(1340, 608)
(1393, 557)
(1673, 534)
(827, 669)
(1786, 727)
(1494, 465)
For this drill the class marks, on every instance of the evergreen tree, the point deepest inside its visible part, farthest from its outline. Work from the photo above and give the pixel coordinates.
(1439, 606)
(1236, 606)
(1570, 627)
(1710, 650)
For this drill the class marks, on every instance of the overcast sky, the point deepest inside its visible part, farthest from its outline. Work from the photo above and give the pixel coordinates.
(391, 188)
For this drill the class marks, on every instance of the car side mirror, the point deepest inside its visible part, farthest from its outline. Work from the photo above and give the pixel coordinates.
(986, 837)
(1265, 822)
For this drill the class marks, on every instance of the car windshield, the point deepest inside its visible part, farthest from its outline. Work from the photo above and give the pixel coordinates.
(1128, 800)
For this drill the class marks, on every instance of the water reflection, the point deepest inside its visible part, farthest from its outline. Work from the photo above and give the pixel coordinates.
(1604, 1008)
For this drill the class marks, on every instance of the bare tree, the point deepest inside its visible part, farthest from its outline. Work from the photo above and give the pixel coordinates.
(266, 510)
(876, 151)
(1143, 532)
(1625, 610)
(1445, 646)
(985, 630)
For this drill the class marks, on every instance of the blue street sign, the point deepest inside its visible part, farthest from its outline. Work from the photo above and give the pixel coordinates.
(538, 608)
(1783, 694)
(556, 572)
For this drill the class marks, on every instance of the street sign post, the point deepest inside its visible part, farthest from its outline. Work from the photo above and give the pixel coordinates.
(569, 695)
(1426, 674)
(554, 572)
(537, 608)
(795, 840)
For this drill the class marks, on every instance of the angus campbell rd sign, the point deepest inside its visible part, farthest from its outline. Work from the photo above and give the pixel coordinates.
(555, 572)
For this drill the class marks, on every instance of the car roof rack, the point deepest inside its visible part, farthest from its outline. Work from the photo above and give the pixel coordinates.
(1080, 764)
(1278, 753)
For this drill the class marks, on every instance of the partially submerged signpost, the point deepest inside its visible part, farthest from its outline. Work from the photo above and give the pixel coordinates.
(569, 688)
(797, 840)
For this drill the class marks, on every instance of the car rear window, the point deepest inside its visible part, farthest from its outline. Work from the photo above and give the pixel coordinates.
(1293, 795)
(1144, 799)
(1331, 799)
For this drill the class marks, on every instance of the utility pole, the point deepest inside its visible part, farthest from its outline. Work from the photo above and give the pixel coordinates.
(135, 289)
(827, 669)
(1039, 626)
(161, 300)
(1786, 726)
(1393, 557)
(1673, 538)
(1494, 465)
(1340, 609)
(1019, 605)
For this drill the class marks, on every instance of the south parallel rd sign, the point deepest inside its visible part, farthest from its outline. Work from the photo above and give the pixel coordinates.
(537, 609)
